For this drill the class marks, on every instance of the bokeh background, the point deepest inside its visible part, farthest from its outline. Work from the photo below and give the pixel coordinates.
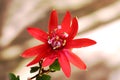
(98, 20)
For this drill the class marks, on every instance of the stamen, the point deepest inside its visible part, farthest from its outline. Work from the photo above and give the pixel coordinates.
(57, 37)
(55, 29)
(56, 41)
(54, 48)
(64, 42)
(65, 34)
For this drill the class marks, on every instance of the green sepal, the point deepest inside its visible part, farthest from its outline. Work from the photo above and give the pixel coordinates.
(43, 77)
(13, 77)
(34, 69)
(55, 66)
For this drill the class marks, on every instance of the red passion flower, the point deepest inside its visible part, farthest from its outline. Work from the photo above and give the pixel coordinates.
(58, 43)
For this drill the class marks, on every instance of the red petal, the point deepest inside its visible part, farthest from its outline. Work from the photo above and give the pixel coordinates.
(78, 43)
(53, 23)
(74, 59)
(37, 59)
(64, 63)
(66, 22)
(49, 60)
(34, 51)
(39, 34)
(74, 29)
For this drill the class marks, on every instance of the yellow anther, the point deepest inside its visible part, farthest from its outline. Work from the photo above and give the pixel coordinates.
(57, 37)
(54, 47)
(65, 34)
(64, 42)
(48, 37)
(55, 29)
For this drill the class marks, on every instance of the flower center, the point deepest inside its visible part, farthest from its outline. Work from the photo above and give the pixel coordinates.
(56, 41)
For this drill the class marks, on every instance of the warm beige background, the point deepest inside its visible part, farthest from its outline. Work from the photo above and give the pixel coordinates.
(98, 20)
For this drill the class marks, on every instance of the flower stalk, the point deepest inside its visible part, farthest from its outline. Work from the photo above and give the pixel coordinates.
(42, 71)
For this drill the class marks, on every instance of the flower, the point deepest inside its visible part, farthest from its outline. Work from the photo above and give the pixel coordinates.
(58, 43)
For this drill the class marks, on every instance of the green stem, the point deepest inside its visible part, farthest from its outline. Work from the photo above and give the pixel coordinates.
(42, 70)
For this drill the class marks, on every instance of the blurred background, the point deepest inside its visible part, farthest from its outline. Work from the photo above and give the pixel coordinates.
(98, 20)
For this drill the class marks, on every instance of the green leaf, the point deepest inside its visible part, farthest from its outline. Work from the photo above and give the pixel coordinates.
(43, 77)
(55, 66)
(18, 78)
(34, 69)
(38, 78)
(12, 76)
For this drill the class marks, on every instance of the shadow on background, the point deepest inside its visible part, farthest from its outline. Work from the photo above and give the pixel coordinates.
(18, 15)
